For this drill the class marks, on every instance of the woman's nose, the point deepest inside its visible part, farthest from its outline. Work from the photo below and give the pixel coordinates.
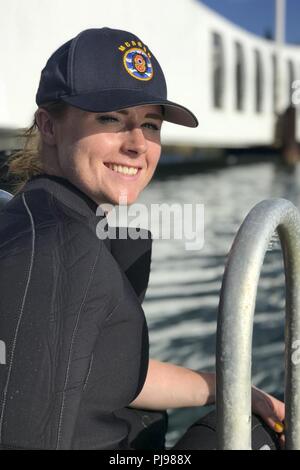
(135, 142)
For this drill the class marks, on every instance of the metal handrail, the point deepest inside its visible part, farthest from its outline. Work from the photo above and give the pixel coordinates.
(235, 323)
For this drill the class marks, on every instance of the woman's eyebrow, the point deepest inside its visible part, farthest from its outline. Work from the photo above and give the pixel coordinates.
(149, 115)
(154, 116)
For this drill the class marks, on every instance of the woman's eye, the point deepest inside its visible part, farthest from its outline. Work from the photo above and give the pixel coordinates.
(151, 125)
(107, 119)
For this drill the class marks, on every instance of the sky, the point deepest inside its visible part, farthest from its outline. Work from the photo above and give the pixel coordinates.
(257, 16)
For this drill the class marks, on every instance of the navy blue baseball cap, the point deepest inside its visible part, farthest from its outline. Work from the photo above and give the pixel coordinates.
(103, 70)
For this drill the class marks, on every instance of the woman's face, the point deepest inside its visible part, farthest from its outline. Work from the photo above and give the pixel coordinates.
(95, 151)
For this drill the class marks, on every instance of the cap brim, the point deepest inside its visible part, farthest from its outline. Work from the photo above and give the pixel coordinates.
(113, 100)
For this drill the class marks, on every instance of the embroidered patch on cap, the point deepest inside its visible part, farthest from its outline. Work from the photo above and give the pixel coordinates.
(137, 62)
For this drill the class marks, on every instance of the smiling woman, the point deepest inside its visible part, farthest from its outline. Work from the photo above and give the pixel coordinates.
(78, 354)
(78, 373)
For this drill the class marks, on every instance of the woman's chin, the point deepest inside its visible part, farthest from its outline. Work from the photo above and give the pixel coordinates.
(125, 199)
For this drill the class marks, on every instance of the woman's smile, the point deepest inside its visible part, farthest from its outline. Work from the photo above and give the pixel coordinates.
(123, 171)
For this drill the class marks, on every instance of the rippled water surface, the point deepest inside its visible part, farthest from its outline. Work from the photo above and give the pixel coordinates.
(182, 299)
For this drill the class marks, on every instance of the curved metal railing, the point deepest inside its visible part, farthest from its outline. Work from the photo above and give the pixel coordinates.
(235, 322)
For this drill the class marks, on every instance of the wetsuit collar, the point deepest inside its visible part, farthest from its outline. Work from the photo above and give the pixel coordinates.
(66, 192)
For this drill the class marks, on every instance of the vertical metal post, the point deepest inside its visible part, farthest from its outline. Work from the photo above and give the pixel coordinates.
(235, 322)
(280, 22)
(279, 42)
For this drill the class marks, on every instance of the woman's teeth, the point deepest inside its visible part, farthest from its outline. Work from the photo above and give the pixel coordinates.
(126, 170)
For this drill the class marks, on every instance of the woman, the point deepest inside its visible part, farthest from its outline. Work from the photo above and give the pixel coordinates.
(77, 340)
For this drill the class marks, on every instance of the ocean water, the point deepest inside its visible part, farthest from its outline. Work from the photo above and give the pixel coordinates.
(181, 302)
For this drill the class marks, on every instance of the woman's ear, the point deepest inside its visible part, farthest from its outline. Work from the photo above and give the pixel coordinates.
(45, 125)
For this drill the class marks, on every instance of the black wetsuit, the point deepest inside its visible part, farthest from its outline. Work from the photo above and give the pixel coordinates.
(71, 319)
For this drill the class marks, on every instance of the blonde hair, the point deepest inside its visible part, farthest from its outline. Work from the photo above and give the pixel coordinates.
(27, 162)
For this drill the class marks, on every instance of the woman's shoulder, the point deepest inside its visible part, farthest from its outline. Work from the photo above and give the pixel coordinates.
(37, 213)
